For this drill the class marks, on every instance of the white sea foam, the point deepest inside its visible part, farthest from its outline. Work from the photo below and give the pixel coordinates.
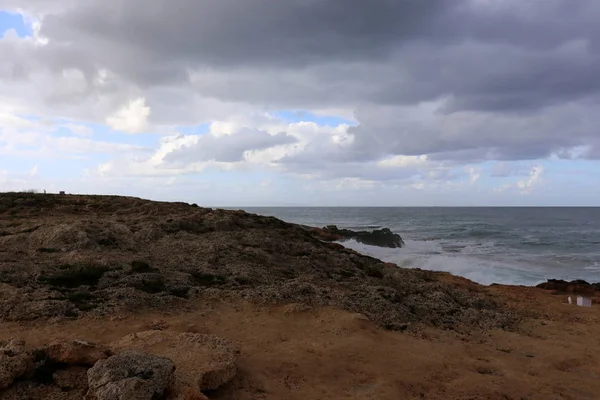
(472, 262)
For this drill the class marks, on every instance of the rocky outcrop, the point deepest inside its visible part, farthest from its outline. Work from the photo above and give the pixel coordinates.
(379, 237)
(212, 364)
(130, 375)
(146, 254)
(577, 286)
(15, 361)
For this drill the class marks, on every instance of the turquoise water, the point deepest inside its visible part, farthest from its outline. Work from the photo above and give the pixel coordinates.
(520, 246)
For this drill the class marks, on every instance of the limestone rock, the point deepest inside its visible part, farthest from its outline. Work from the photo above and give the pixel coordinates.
(76, 352)
(130, 375)
(203, 361)
(15, 361)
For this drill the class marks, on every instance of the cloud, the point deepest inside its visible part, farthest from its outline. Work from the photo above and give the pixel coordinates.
(80, 130)
(227, 148)
(535, 177)
(474, 175)
(434, 89)
(131, 118)
(524, 186)
(221, 148)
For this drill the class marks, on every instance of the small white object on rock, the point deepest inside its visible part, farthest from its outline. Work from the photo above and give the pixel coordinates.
(570, 300)
(584, 301)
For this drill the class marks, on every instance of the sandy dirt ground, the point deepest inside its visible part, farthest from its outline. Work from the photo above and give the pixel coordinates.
(287, 353)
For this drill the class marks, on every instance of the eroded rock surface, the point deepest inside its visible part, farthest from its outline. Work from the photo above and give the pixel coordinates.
(69, 256)
(15, 361)
(130, 375)
(205, 362)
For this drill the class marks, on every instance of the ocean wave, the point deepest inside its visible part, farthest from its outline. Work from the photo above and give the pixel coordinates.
(478, 266)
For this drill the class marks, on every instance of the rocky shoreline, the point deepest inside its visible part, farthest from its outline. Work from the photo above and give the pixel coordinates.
(68, 258)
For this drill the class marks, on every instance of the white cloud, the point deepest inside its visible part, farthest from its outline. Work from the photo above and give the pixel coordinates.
(474, 174)
(524, 186)
(131, 118)
(355, 184)
(535, 177)
(80, 130)
(404, 161)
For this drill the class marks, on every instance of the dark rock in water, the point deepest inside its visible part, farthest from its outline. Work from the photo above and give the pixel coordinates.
(576, 286)
(379, 237)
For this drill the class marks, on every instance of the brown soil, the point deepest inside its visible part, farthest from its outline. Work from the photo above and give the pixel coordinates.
(329, 329)
(333, 354)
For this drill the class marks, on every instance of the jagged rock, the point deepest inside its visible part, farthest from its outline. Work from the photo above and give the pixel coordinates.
(76, 352)
(71, 378)
(130, 375)
(15, 361)
(379, 237)
(211, 366)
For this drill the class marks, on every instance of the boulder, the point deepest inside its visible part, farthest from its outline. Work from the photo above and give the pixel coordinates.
(205, 362)
(15, 361)
(130, 375)
(76, 352)
(379, 237)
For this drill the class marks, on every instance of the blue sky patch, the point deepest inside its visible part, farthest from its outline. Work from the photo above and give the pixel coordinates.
(9, 20)
(301, 115)
(194, 129)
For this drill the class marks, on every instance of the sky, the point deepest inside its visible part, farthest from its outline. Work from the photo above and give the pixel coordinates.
(303, 102)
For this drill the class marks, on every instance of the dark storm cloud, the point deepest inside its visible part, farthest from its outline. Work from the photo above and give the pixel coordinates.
(489, 55)
(234, 32)
(511, 79)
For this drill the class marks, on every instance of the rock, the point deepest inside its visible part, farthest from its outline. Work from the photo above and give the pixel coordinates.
(130, 375)
(71, 378)
(379, 237)
(203, 361)
(245, 256)
(158, 325)
(76, 352)
(15, 361)
(326, 235)
(577, 286)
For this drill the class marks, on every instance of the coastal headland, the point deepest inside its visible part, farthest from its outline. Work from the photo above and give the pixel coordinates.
(117, 297)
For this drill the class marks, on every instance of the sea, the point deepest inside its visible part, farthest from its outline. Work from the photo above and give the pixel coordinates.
(505, 245)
